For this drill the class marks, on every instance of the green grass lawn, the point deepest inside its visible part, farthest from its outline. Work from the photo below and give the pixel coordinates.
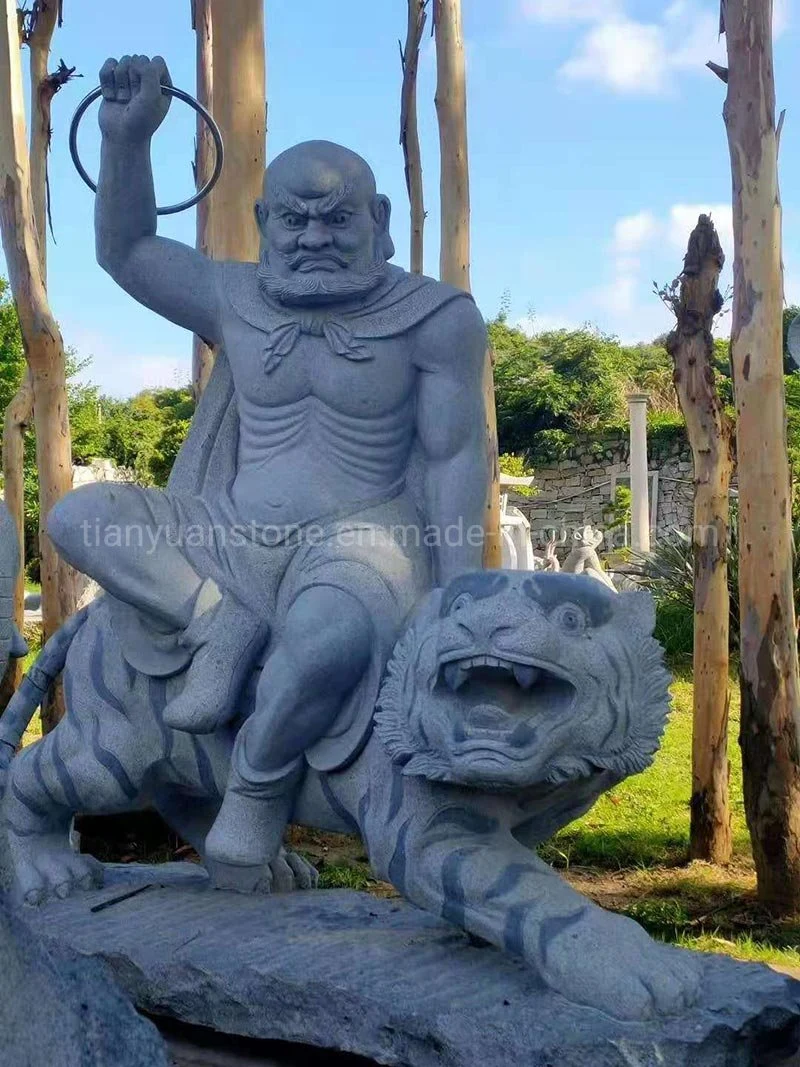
(645, 820)
(630, 853)
(33, 635)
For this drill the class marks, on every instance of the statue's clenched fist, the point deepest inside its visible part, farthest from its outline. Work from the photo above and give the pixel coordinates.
(133, 104)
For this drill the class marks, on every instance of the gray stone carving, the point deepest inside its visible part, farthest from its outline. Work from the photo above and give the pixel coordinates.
(344, 970)
(583, 558)
(63, 1011)
(512, 701)
(550, 561)
(319, 523)
(12, 643)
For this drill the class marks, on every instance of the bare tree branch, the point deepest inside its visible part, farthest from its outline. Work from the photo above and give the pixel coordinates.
(409, 132)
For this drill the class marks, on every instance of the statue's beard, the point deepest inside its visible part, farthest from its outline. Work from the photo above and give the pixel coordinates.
(320, 287)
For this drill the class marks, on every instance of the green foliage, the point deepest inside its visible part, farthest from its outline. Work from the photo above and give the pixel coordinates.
(619, 512)
(792, 382)
(557, 384)
(675, 631)
(12, 356)
(668, 572)
(145, 433)
(517, 467)
(346, 876)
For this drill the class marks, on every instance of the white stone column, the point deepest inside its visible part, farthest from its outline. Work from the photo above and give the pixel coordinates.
(640, 494)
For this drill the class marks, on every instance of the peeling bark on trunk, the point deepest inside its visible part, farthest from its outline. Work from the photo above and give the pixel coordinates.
(16, 421)
(231, 82)
(454, 265)
(44, 347)
(711, 436)
(19, 414)
(409, 130)
(203, 354)
(42, 93)
(769, 672)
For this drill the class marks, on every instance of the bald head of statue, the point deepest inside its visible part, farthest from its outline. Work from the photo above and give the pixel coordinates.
(324, 227)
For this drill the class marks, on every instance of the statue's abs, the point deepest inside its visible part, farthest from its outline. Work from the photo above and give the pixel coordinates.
(345, 425)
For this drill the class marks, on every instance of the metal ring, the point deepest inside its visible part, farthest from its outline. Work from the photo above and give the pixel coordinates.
(170, 90)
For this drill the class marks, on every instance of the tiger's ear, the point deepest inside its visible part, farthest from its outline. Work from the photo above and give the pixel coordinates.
(637, 609)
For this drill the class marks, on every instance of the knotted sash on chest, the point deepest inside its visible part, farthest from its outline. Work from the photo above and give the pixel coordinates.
(282, 339)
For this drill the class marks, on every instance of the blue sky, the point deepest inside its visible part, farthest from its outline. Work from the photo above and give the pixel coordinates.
(595, 135)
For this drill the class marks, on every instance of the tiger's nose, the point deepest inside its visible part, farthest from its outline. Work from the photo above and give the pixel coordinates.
(483, 632)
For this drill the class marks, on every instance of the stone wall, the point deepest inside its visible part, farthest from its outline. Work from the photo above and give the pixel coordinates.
(580, 488)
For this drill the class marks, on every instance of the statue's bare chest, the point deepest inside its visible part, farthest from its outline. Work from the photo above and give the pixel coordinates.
(376, 378)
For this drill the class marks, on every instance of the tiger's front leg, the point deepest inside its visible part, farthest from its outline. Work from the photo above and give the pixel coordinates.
(460, 862)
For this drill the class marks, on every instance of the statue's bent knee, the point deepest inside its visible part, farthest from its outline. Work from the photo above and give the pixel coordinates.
(76, 522)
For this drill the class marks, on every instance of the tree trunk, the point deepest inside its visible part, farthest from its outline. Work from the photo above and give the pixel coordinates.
(43, 89)
(711, 436)
(409, 130)
(44, 347)
(769, 672)
(203, 354)
(454, 260)
(18, 415)
(231, 83)
(16, 421)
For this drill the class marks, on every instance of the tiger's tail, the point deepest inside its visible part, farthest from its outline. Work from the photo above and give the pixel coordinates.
(34, 687)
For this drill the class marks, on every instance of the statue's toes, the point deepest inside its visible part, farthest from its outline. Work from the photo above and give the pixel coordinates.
(282, 874)
(62, 871)
(29, 883)
(306, 876)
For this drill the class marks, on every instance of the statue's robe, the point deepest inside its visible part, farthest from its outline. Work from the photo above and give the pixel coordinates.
(206, 467)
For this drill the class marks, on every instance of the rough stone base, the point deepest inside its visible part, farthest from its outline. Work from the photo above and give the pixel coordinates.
(343, 970)
(60, 1010)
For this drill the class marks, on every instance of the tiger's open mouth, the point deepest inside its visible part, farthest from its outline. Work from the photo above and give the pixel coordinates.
(503, 699)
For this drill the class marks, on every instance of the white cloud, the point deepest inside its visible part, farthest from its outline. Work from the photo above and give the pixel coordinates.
(571, 10)
(627, 56)
(632, 232)
(644, 246)
(780, 16)
(632, 56)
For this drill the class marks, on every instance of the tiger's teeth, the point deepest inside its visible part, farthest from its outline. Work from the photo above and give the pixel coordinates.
(525, 675)
(455, 675)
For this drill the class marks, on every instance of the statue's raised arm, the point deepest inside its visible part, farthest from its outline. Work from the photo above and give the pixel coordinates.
(170, 278)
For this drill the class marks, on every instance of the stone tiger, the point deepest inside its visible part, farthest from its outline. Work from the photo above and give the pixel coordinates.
(512, 701)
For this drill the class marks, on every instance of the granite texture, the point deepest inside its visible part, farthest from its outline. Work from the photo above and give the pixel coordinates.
(512, 701)
(12, 644)
(61, 1010)
(343, 970)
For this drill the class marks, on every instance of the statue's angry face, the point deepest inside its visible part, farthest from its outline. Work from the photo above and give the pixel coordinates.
(325, 230)
(508, 679)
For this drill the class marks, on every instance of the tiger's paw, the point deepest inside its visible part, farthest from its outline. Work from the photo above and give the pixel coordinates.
(46, 866)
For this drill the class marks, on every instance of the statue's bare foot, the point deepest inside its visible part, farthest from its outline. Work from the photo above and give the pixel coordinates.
(248, 829)
(609, 962)
(287, 872)
(45, 865)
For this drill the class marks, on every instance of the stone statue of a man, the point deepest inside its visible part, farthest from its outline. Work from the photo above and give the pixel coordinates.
(355, 476)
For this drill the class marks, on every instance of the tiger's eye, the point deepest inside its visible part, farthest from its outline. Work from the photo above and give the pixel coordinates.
(570, 619)
(463, 600)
